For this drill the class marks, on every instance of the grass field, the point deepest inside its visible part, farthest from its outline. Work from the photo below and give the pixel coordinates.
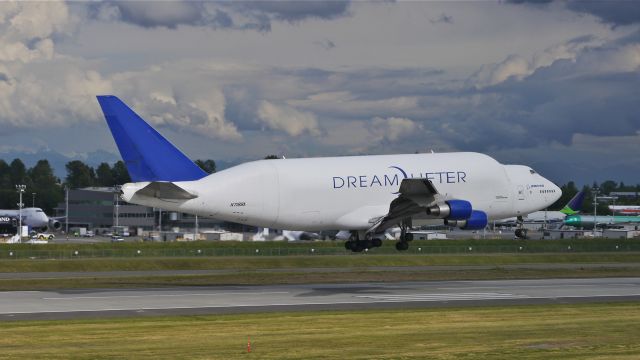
(264, 249)
(283, 262)
(311, 269)
(261, 278)
(586, 331)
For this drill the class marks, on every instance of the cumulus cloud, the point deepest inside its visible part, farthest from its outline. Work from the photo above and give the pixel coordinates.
(590, 92)
(294, 10)
(41, 87)
(515, 67)
(614, 12)
(49, 78)
(26, 29)
(287, 119)
(325, 44)
(243, 15)
(442, 19)
(151, 14)
(393, 128)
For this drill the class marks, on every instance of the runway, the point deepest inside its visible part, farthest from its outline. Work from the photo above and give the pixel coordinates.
(234, 299)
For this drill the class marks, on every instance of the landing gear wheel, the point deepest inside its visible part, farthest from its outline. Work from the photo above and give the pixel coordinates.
(402, 245)
(355, 244)
(521, 233)
(376, 242)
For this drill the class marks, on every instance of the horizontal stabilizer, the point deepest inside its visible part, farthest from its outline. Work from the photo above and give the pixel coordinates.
(165, 190)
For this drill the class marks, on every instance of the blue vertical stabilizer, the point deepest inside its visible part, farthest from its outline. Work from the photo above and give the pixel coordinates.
(147, 154)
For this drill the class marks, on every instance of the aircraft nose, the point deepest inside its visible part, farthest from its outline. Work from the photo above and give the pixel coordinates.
(557, 193)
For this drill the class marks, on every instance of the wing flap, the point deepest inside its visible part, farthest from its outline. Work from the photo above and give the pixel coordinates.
(415, 196)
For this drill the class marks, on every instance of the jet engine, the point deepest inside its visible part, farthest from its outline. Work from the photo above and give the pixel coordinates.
(55, 224)
(451, 210)
(477, 221)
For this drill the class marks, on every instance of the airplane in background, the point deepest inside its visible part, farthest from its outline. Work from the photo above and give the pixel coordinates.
(363, 194)
(34, 218)
(625, 209)
(587, 221)
(574, 206)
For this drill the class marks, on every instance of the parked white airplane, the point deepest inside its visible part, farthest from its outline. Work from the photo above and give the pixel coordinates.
(32, 217)
(625, 209)
(363, 194)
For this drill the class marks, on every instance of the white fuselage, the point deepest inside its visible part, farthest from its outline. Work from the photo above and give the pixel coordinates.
(34, 218)
(348, 192)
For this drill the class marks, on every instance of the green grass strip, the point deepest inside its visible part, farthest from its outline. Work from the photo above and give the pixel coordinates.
(585, 331)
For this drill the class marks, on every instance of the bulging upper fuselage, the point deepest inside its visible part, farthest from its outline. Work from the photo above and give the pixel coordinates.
(348, 192)
(35, 218)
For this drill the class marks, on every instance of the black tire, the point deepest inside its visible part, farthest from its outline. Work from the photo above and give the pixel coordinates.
(402, 246)
(376, 242)
(521, 233)
(348, 244)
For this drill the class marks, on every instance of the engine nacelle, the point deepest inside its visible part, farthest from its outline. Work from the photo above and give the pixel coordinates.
(451, 210)
(477, 221)
(55, 224)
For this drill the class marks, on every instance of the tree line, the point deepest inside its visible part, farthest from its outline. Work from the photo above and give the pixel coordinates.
(605, 188)
(49, 189)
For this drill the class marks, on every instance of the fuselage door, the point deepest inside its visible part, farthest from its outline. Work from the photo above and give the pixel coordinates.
(520, 192)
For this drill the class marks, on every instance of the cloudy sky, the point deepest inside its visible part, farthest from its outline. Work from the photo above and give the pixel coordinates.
(555, 85)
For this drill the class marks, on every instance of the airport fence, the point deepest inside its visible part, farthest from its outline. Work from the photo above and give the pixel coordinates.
(415, 249)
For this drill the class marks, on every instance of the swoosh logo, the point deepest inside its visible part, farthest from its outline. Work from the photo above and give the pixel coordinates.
(404, 174)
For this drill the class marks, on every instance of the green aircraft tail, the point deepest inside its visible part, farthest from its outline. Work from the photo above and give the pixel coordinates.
(575, 204)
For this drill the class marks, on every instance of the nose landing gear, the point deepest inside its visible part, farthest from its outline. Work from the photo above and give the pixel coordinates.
(521, 232)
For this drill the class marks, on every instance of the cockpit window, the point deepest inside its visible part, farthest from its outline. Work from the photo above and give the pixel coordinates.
(532, 171)
(39, 211)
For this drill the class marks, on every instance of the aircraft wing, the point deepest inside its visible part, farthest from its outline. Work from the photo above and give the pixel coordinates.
(414, 197)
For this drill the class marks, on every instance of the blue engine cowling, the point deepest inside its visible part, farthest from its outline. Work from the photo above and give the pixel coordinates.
(477, 221)
(459, 210)
(451, 210)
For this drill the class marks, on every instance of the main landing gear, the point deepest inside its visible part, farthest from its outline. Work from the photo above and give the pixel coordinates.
(355, 244)
(405, 238)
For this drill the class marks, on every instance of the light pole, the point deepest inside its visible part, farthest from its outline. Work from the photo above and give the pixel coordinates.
(20, 188)
(33, 199)
(195, 236)
(66, 211)
(116, 206)
(595, 209)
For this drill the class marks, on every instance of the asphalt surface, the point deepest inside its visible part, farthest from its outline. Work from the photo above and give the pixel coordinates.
(19, 305)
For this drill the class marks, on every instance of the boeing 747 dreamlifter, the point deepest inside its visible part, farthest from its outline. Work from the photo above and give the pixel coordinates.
(362, 194)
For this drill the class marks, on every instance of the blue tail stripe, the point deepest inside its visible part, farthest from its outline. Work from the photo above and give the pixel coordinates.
(147, 154)
(575, 204)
